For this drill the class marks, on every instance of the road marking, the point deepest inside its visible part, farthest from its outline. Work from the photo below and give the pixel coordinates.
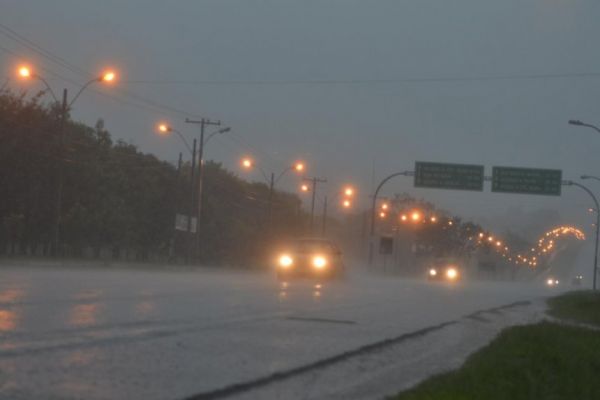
(326, 320)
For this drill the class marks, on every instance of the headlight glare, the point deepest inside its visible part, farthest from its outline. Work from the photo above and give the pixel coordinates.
(451, 273)
(319, 262)
(285, 261)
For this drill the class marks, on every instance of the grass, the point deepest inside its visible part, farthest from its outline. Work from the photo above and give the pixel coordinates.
(542, 361)
(580, 306)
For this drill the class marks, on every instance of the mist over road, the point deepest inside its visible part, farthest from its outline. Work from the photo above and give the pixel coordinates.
(132, 334)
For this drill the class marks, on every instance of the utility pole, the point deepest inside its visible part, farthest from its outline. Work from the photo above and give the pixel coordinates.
(190, 240)
(314, 181)
(204, 122)
(324, 225)
(64, 109)
(173, 239)
(270, 207)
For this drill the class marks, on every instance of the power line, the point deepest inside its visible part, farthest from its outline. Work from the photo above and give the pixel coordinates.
(320, 82)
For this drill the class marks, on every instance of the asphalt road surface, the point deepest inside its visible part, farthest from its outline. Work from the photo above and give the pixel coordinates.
(68, 333)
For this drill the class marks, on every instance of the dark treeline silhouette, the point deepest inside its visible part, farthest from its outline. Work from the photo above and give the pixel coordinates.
(119, 203)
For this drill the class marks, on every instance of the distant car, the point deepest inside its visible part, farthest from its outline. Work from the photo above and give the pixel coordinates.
(311, 258)
(552, 281)
(577, 280)
(444, 269)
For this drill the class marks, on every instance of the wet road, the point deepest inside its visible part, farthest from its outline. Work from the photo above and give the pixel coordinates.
(126, 334)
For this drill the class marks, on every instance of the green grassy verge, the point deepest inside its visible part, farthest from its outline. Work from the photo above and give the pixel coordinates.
(581, 306)
(542, 361)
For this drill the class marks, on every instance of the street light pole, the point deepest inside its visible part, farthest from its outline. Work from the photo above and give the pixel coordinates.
(595, 272)
(203, 122)
(324, 226)
(576, 122)
(26, 73)
(373, 205)
(314, 181)
(191, 209)
(271, 181)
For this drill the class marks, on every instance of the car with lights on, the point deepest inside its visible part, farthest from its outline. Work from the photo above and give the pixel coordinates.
(444, 269)
(552, 281)
(310, 258)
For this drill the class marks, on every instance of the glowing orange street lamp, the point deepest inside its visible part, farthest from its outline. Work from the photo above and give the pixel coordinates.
(403, 217)
(433, 219)
(163, 128)
(385, 206)
(108, 76)
(27, 72)
(304, 188)
(247, 163)
(299, 166)
(166, 129)
(349, 191)
(382, 214)
(24, 72)
(415, 216)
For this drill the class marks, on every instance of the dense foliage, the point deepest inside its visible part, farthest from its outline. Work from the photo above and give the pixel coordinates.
(118, 202)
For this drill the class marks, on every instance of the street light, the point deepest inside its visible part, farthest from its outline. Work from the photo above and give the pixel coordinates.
(588, 191)
(165, 129)
(27, 72)
(248, 163)
(346, 202)
(373, 210)
(576, 122)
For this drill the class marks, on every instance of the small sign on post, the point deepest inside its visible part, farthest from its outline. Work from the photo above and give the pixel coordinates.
(448, 176)
(527, 180)
(181, 223)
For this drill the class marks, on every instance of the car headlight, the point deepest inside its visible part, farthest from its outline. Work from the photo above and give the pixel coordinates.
(432, 272)
(285, 261)
(550, 282)
(451, 273)
(319, 262)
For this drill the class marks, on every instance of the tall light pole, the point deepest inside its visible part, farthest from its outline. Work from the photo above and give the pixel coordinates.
(271, 180)
(203, 122)
(348, 194)
(373, 205)
(314, 182)
(597, 225)
(26, 72)
(166, 128)
(577, 122)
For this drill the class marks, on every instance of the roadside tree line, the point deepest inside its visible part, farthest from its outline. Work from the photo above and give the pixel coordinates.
(118, 202)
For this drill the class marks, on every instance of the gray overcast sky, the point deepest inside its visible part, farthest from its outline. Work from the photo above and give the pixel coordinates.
(247, 62)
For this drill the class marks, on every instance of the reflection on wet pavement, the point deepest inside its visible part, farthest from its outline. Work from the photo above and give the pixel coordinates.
(144, 308)
(8, 320)
(80, 358)
(11, 295)
(83, 315)
(285, 289)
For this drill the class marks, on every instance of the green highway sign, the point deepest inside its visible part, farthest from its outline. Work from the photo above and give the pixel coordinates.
(448, 176)
(527, 180)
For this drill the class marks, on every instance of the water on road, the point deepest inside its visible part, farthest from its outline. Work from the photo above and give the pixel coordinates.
(130, 334)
